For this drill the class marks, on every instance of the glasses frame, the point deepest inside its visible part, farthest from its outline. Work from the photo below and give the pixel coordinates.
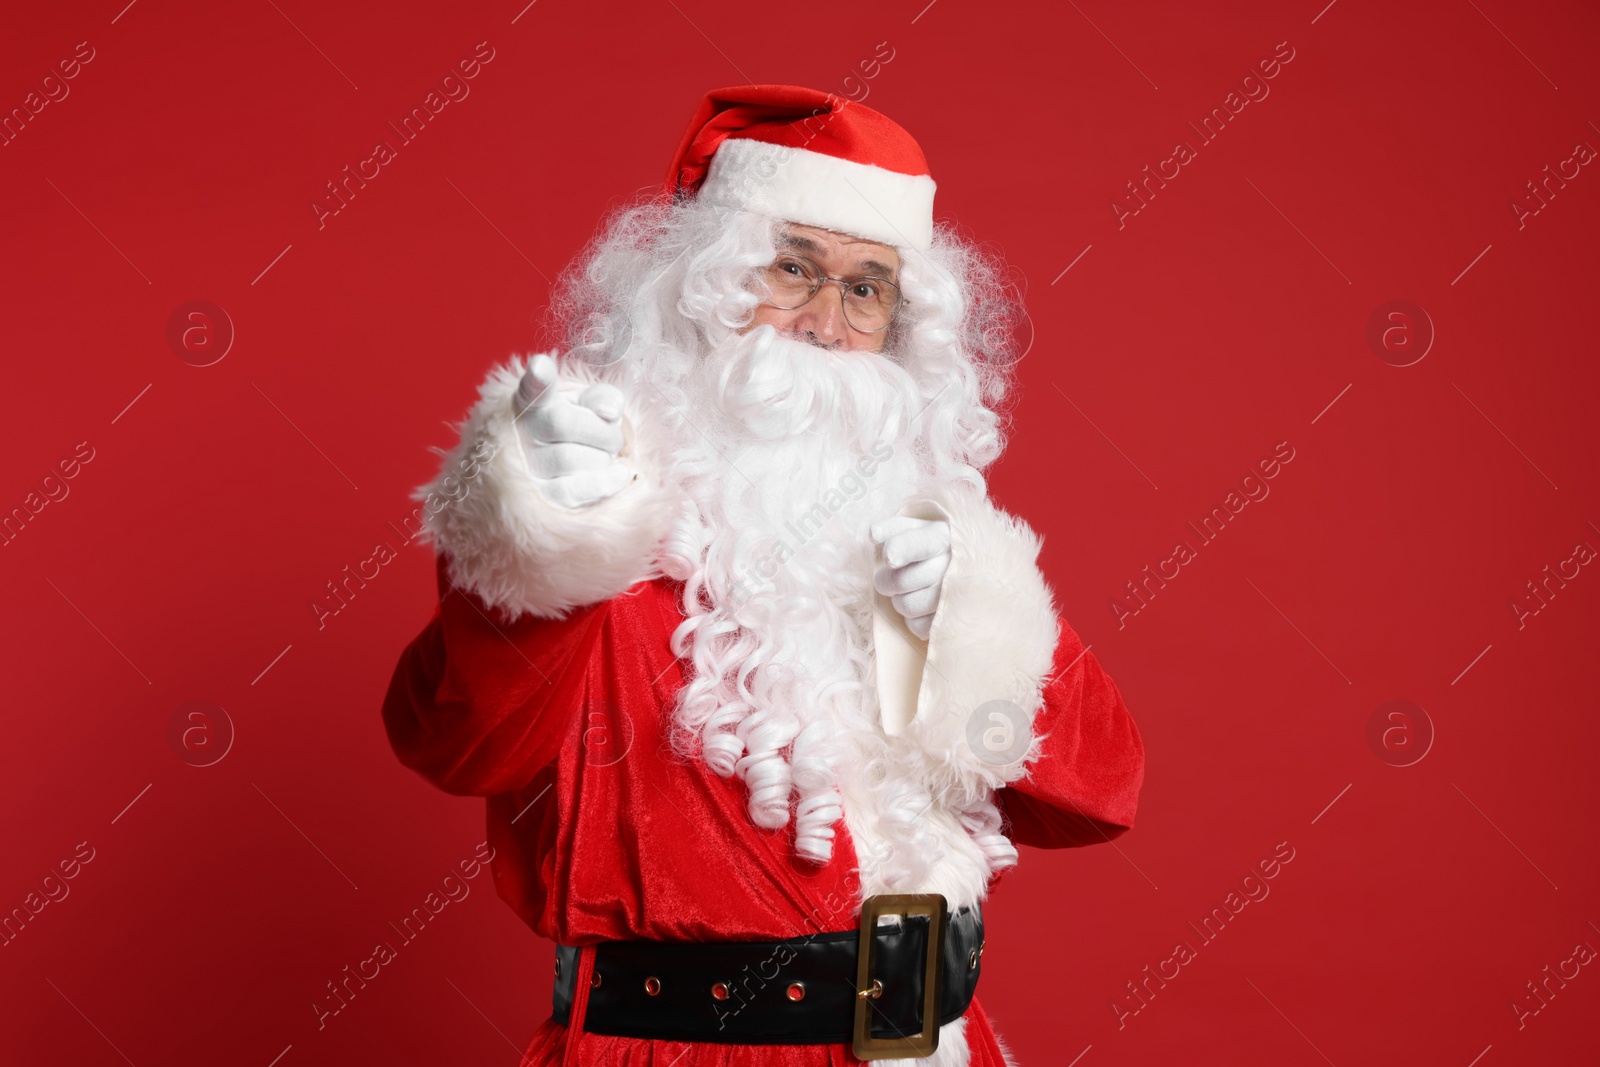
(844, 286)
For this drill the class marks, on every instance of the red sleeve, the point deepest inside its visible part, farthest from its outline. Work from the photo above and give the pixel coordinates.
(1084, 788)
(477, 704)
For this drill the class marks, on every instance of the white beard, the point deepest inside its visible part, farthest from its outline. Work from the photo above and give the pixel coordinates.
(795, 452)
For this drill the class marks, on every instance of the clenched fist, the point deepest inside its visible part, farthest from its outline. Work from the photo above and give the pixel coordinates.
(571, 443)
(916, 554)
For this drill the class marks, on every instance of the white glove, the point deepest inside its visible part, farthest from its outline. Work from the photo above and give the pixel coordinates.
(571, 444)
(916, 554)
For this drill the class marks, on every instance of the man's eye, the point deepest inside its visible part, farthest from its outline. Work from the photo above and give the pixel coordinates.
(864, 290)
(793, 269)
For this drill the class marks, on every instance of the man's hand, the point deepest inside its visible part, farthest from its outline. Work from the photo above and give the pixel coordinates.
(916, 554)
(571, 445)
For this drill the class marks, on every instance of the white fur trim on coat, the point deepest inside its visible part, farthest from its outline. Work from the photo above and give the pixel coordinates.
(993, 638)
(988, 653)
(518, 551)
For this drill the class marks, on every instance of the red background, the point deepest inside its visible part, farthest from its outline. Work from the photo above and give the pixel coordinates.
(1228, 315)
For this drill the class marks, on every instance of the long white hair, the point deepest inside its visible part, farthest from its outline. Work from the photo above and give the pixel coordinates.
(764, 430)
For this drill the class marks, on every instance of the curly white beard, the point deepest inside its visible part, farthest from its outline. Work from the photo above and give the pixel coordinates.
(795, 452)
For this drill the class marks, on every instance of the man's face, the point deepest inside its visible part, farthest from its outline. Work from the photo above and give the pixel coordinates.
(821, 321)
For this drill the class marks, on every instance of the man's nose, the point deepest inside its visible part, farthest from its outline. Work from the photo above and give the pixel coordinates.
(823, 316)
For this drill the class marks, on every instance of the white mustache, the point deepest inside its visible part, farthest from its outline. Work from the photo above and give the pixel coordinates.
(772, 385)
(778, 387)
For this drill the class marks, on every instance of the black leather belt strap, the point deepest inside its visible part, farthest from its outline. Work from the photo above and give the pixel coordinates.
(797, 991)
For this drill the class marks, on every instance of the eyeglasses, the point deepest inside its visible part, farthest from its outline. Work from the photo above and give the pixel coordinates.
(869, 302)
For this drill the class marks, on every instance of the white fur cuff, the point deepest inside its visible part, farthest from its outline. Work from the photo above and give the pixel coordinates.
(515, 549)
(989, 653)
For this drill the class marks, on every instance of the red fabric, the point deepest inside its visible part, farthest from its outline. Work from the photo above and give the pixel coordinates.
(795, 117)
(600, 833)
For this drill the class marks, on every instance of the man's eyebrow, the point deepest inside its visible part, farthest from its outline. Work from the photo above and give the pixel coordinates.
(795, 240)
(882, 270)
(802, 243)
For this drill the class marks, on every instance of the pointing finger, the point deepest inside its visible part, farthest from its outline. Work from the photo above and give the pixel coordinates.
(538, 385)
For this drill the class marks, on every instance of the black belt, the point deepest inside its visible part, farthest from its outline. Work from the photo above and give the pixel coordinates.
(876, 986)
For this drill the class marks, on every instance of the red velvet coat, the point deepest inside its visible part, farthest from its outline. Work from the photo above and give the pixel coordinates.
(601, 833)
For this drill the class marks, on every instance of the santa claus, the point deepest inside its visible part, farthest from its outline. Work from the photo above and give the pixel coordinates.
(760, 686)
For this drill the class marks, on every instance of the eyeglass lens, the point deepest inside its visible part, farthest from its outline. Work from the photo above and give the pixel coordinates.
(869, 302)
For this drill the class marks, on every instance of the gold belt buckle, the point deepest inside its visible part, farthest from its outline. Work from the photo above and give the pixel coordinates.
(868, 988)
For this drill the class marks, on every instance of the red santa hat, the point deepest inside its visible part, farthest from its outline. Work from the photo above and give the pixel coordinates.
(808, 157)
